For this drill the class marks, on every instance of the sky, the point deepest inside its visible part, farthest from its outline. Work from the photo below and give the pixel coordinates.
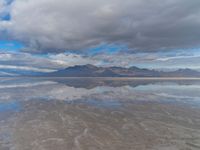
(48, 35)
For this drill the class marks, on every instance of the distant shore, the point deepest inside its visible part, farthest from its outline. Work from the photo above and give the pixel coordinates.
(118, 78)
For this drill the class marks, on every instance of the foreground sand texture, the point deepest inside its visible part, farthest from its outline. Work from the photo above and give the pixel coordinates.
(102, 115)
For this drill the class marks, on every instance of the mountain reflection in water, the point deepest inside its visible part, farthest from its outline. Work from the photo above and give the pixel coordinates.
(99, 114)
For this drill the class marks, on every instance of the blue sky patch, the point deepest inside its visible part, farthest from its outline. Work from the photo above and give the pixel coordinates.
(6, 17)
(107, 48)
(10, 46)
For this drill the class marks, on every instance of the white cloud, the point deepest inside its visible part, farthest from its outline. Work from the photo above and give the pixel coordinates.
(40, 63)
(52, 62)
(56, 26)
(2, 6)
(71, 59)
(27, 68)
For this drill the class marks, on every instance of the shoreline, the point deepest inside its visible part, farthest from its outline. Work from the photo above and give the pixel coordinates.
(113, 78)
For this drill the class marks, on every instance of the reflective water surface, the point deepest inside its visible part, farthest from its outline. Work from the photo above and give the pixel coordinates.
(99, 114)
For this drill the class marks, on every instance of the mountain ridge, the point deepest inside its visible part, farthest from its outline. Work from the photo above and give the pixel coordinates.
(94, 71)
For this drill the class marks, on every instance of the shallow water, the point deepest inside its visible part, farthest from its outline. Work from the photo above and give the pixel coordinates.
(99, 114)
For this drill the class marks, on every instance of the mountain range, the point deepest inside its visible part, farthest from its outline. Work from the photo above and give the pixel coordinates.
(94, 71)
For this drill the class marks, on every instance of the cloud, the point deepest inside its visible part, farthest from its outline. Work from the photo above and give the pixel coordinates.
(147, 25)
(42, 63)
(25, 68)
(71, 59)
(51, 62)
(2, 6)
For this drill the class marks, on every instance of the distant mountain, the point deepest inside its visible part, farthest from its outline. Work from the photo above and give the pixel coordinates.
(182, 73)
(94, 71)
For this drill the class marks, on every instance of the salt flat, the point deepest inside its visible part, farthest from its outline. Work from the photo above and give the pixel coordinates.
(95, 114)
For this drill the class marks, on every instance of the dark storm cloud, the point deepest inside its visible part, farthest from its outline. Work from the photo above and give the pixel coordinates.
(147, 25)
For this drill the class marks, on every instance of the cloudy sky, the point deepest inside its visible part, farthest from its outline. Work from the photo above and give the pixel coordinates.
(47, 35)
